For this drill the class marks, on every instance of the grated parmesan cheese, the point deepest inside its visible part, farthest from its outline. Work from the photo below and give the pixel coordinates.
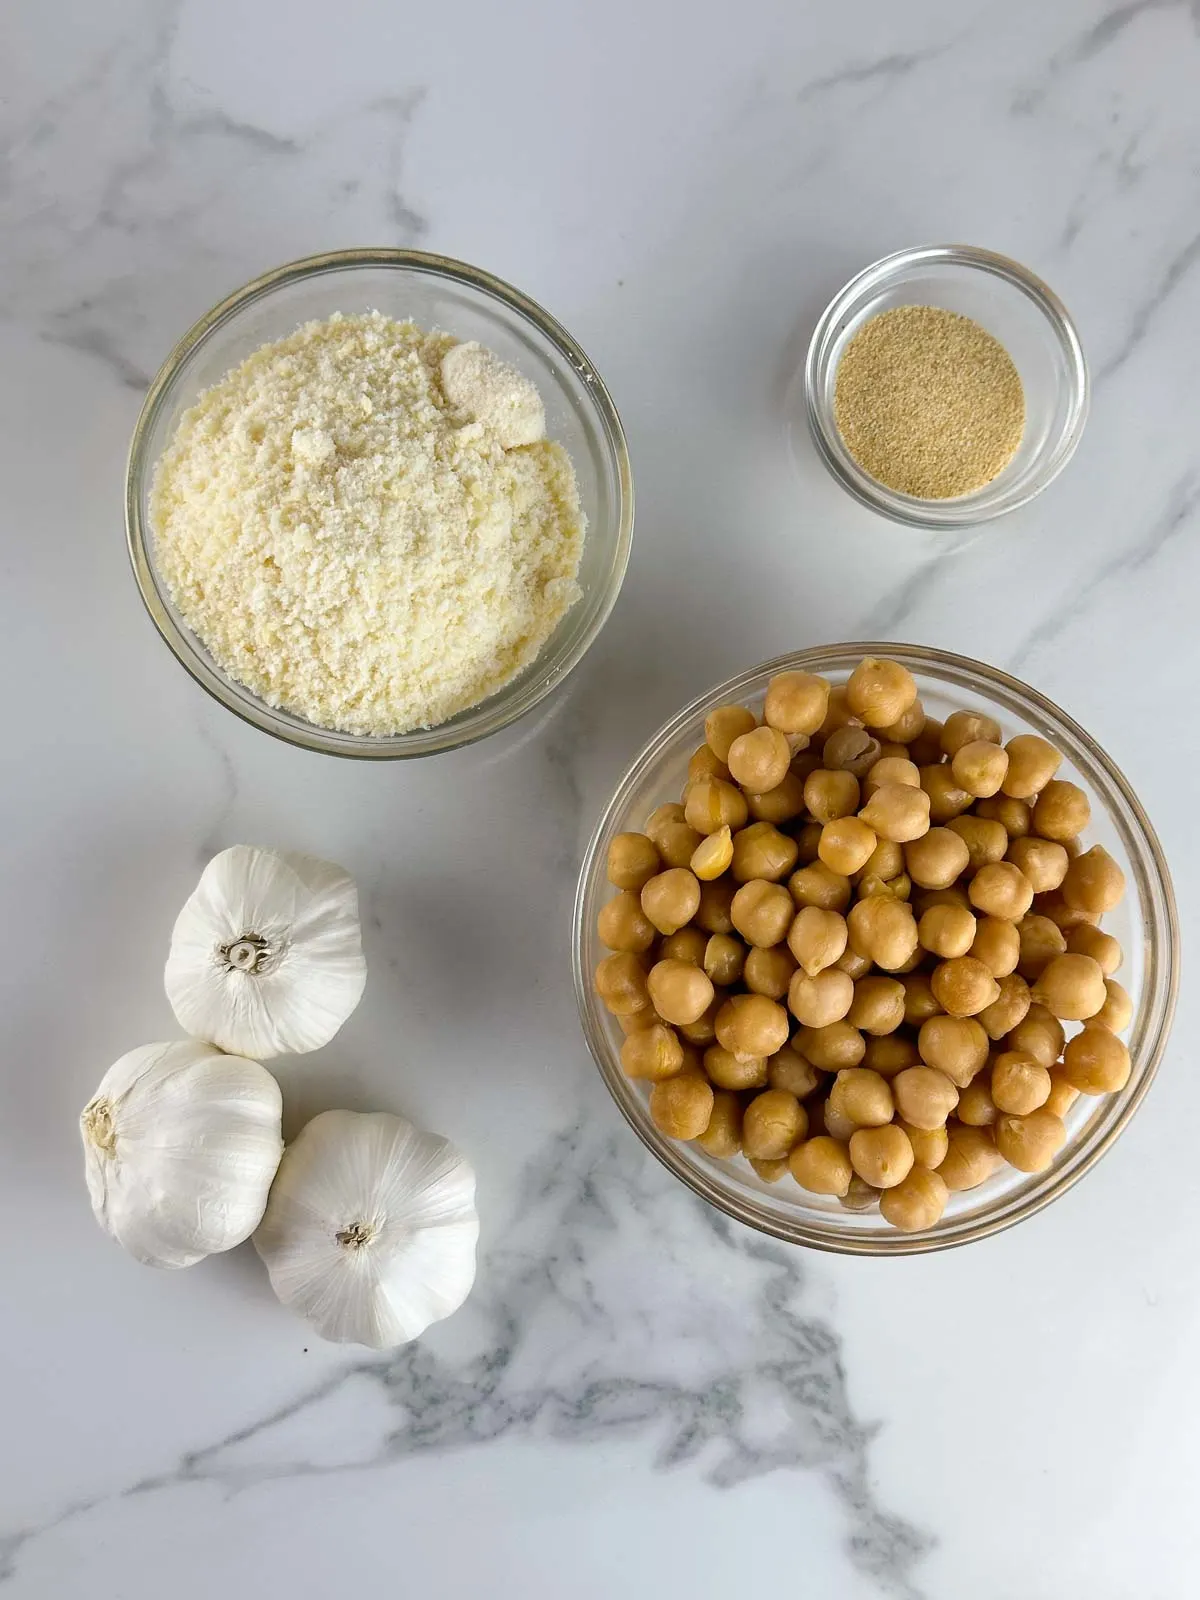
(354, 545)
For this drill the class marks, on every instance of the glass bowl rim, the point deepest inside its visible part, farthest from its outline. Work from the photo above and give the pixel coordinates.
(243, 702)
(909, 509)
(1162, 985)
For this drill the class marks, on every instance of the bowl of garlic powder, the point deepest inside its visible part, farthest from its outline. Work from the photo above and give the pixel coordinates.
(379, 503)
(945, 386)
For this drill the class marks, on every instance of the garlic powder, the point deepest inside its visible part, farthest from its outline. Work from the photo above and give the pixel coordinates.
(355, 546)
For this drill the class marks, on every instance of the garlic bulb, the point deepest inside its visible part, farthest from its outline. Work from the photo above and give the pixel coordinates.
(266, 956)
(370, 1229)
(181, 1143)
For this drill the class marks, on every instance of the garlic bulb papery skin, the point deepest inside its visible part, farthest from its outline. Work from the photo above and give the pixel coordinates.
(370, 1230)
(266, 957)
(181, 1143)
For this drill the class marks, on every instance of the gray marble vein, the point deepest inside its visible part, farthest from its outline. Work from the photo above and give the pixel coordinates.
(884, 69)
(1093, 41)
(564, 1357)
(1178, 266)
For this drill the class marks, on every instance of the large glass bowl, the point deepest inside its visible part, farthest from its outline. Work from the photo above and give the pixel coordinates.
(1145, 923)
(436, 292)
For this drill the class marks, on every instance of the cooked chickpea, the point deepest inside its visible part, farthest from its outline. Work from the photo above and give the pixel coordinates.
(621, 983)
(896, 888)
(882, 1157)
(846, 845)
(1040, 941)
(1031, 765)
(889, 1053)
(772, 1123)
(917, 1202)
(723, 1136)
(679, 991)
(706, 763)
(681, 1106)
(967, 727)
(816, 937)
(1117, 1011)
(891, 770)
(723, 725)
(751, 1025)
(963, 986)
(1040, 1034)
(712, 855)
(686, 945)
(761, 851)
(837, 713)
(632, 860)
(929, 1144)
(1062, 811)
(769, 972)
(634, 1021)
(1086, 940)
(724, 959)
(829, 795)
(759, 760)
(971, 1158)
(880, 692)
(671, 899)
(716, 903)
(1095, 1061)
(817, 885)
(704, 1030)
(1014, 816)
(678, 843)
(920, 1002)
(851, 749)
(985, 841)
(909, 725)
(1094, 882)
(852, 964)
(1019, 1083)
(623, 925)
(1001, 890)
(780, 804)
(769, 1171)
(822, 1166)
(956, 1046)
(713, 804)
(835, 1123)
(976, 1108)
(808, 839)
(1063, 1094)
(787, 1069)
(946, 799)
(862, 1096)
(997, 944)
(820, 999)
(946, 931)
(1008, 1009)
(925, 748)
(898, 812)
(796, 702)
(1067, 917)
(979, 768)
(1043, 861)
(1030, 1143)
(924, 1096)
(832, 1047)
(653, 1053)
(762, 912)
(859, 1196)
(884, 930)
(936, 860)
(878, 1005)
(1072, 987)
(662, 818)
(886, 861)
(726, 1071)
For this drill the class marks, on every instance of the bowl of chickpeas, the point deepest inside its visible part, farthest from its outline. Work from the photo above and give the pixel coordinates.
(876, 949)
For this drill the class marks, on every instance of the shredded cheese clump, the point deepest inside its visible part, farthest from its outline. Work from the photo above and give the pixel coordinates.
(356, 547)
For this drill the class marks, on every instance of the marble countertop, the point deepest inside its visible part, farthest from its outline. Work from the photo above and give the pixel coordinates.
(640, 1397)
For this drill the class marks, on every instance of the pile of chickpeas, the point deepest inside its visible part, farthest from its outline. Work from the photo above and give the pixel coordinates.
(849, 952)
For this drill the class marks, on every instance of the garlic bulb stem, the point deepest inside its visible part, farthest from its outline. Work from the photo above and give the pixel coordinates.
(356, 1235)
(98, 1125)
(250, 953)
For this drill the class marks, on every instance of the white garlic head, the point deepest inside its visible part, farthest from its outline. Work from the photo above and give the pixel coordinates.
(370, 1229)
(181, 1143)
(266, 956)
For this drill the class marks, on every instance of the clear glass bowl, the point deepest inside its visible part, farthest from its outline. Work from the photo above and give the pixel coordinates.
(436, 292)
(1018, 310)
(1145, 923)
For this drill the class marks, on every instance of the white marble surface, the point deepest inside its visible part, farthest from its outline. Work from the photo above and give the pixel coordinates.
(639, 1398)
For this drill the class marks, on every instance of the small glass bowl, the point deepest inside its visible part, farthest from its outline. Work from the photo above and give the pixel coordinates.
(1145, 923)
(1018, 310)
(436, 292)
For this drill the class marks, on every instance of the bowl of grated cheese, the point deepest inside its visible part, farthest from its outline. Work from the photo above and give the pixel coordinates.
(378, 503)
